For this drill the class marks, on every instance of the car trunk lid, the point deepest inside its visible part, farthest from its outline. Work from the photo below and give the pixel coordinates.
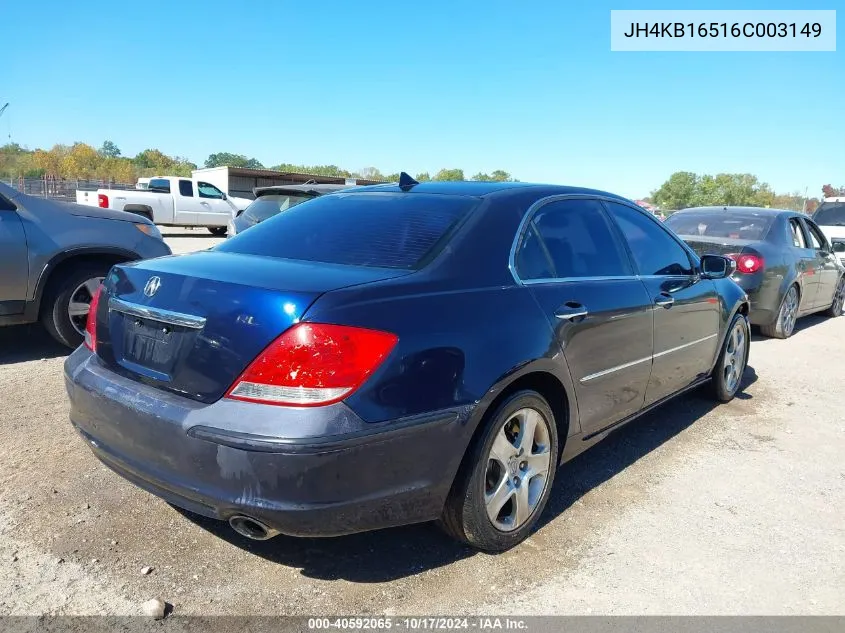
(191, 324)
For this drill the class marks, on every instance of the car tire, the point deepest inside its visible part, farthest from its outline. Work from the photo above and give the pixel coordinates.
(835, 309)
(218, 231)
(726, 378)
(784, 324)
(75, 286)
(501, 489)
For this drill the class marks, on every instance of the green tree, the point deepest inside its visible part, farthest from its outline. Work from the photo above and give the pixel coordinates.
(497, 176)
(109, 150)
(449, 174)
(732, 190)
(153, 159)
(227, 159)
(370, 173)
(332, 171)
(423, 177)
(16, 161)
(677, 192)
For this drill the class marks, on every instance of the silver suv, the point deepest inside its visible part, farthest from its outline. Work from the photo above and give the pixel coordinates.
(53, 256)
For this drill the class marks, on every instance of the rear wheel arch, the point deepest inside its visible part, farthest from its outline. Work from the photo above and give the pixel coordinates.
(57, 267)
(140, 209)
(541, 381)
(459, 516)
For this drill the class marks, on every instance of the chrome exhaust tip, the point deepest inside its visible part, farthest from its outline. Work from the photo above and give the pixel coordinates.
(251, 528)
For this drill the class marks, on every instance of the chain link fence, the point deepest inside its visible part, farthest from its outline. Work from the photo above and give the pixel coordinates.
(62, 189)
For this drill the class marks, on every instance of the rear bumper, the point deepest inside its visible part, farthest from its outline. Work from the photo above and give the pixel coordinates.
(336, 474)
(762, 296)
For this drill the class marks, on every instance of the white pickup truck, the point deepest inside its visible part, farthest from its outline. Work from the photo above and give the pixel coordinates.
(172, 201)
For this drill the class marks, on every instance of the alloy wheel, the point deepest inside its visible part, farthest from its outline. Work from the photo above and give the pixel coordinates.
(517, 471)
(839, 297)
(734, 360)
(80, 303)
(789, 311)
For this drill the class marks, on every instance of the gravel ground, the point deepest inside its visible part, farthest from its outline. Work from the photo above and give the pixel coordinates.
(693, 509)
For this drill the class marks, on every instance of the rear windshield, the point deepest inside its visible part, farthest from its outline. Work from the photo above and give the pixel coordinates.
(268, 205)
(384, 230)
(159, 185)
(830, 214)
(730, 224)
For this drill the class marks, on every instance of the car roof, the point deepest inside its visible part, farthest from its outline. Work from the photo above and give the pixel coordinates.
(482, 189)
(760, 211)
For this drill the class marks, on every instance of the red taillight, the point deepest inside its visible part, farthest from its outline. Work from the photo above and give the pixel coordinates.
(102, 201)
(747, 263)
(313, 364)
(91, 323)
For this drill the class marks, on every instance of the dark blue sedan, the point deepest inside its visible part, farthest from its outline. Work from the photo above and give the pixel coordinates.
(400, 353)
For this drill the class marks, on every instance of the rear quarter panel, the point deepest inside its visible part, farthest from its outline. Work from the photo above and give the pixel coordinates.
(161, 204)
(455, 346)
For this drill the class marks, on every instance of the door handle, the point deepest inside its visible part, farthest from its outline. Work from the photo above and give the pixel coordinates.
(571, 310)
(664, 301)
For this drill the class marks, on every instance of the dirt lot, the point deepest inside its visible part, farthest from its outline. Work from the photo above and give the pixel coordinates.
(693, 509)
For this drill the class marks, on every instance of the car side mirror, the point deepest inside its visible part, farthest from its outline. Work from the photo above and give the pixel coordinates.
(224, 196)
(716, 266)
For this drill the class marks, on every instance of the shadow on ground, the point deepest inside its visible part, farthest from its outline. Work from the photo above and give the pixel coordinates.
(23, 343)
(801, 324)
(390, 554)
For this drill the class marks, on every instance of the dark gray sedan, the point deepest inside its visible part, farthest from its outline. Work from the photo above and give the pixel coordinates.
(270, 201)
(783, 261)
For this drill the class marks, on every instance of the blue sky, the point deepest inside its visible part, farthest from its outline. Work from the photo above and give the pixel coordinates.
(531, 88)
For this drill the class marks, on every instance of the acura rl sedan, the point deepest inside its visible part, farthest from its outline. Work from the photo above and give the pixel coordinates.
(398, 354)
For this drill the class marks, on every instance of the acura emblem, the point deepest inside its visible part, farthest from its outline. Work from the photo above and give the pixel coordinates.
(153, 284)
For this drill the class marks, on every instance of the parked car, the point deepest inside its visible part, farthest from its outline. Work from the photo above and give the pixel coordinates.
(400, 353)
(172, 201)
(53, 256)
(830, 217)
(783, 261)
(270, 201)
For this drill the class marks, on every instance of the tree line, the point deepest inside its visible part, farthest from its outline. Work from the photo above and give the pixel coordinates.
(683, 189)
(84, 162)
(686, 189)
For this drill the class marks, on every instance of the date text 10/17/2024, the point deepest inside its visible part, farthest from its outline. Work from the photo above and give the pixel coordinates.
(419, 623)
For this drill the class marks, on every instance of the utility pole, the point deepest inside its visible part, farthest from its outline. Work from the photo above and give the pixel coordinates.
(2, 110)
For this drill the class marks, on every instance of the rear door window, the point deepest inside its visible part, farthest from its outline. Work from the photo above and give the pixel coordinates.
(385, 230)
(160, 185)
(186, 188)
(796, 234)
(576, 240)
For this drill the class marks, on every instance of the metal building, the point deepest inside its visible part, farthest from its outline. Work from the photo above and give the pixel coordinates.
(240, 181)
